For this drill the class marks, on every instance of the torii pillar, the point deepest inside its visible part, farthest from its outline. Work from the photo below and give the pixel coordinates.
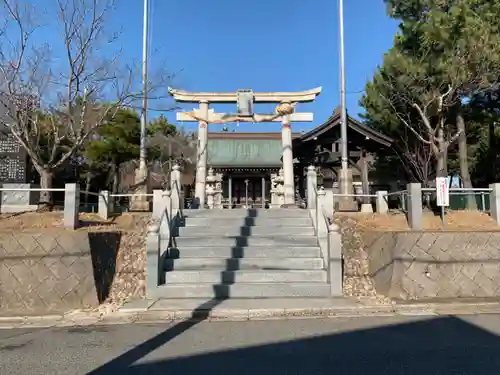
(201, 160)
(285, 113)
(288, 177)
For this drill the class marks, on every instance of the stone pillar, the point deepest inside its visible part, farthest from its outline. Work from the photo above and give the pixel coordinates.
(286, 138)
(140, 202)
(263, 192)
(322, 229)
(312, 185)
(201, 164)
(154, 262)
(335, 274)
(277, 190)
(210, 188)
(218, 191)
(414, 206)
(104, 206)
(71, 205)
(382, 204)
(176, 187)
(230, 191)
(346, 187)
(366, 205)
(158, 204)
(495, 202)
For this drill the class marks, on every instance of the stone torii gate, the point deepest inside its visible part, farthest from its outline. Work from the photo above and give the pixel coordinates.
(245, 99)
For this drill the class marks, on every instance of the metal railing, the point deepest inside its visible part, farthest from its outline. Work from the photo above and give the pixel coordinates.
(400, 197)
(32, 189)
(355, 195)
(459, 197)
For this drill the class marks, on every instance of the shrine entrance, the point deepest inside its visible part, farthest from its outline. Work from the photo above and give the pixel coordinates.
(253, 152)
(247, 192)
(246, 189)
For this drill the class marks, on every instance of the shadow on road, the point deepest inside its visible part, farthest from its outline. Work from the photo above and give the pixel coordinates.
(221, 292)
(442, 346)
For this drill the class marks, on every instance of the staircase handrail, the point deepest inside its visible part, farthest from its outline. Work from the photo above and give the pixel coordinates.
(167, 216)
(329, 240)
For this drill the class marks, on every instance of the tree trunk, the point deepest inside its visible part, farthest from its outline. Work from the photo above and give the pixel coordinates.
(88, 180)
(440, 151)
(116, 179)
(492, 151)
(46, 177)
(464, 162)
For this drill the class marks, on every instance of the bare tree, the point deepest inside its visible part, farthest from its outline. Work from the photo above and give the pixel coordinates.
(177, 148)
(77, 90)
(410, 92)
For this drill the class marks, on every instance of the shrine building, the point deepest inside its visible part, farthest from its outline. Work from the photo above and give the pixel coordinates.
(253, 158)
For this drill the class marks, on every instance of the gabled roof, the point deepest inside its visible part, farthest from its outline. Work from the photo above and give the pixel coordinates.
(334, 121)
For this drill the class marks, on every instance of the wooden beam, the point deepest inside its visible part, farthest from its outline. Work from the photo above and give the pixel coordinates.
(219, 117)
(259, 97)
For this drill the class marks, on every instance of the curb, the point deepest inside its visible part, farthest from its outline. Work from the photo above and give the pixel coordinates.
(82, 318)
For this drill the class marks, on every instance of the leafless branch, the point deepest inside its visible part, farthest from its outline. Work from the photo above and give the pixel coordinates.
(52, 103)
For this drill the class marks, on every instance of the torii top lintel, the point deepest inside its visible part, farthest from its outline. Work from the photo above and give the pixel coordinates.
(232, 97)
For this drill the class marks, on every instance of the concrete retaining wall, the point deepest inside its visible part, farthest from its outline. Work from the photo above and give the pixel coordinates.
(55, 271)
(425, 265)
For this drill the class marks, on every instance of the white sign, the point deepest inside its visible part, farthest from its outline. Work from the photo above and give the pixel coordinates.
(442, 192)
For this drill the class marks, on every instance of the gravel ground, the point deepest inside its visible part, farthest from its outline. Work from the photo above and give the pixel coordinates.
(357, 282)
(396, 221)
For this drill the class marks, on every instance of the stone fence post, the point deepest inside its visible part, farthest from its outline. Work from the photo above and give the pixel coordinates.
(104, 206)
(312, 186)
(322, 229)
(159, 204)
(154, 264)
(335, 274)
(382, 203)
(176, 188)
(71, 205)
(495, 202)
(414, 205)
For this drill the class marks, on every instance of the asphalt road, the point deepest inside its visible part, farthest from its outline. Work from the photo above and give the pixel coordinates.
(359, 346)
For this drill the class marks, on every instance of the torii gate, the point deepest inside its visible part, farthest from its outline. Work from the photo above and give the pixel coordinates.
(245, 99)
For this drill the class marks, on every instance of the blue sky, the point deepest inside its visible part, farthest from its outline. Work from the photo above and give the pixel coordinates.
(266, 45)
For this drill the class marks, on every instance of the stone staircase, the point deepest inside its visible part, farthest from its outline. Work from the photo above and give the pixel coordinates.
(243, 253)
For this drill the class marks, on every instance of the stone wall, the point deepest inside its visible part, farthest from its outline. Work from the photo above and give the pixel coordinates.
(425, 265)
(56, 270)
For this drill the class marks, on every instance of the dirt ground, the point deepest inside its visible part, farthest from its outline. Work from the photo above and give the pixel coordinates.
(455, 220)
(137, 222)
(89, 222)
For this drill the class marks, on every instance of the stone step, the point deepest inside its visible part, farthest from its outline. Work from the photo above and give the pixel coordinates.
(243, 213)
(229, 277)
(245, 252)
(243, 290)
(245, 231)
(249, 222)
(233, 264)
(243, 241)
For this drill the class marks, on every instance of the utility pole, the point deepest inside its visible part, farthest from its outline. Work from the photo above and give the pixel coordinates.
(142, 153)
(346, 203)
(139, 201)
(343, 109)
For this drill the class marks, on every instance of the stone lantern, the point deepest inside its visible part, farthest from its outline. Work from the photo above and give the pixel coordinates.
(278, 189)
